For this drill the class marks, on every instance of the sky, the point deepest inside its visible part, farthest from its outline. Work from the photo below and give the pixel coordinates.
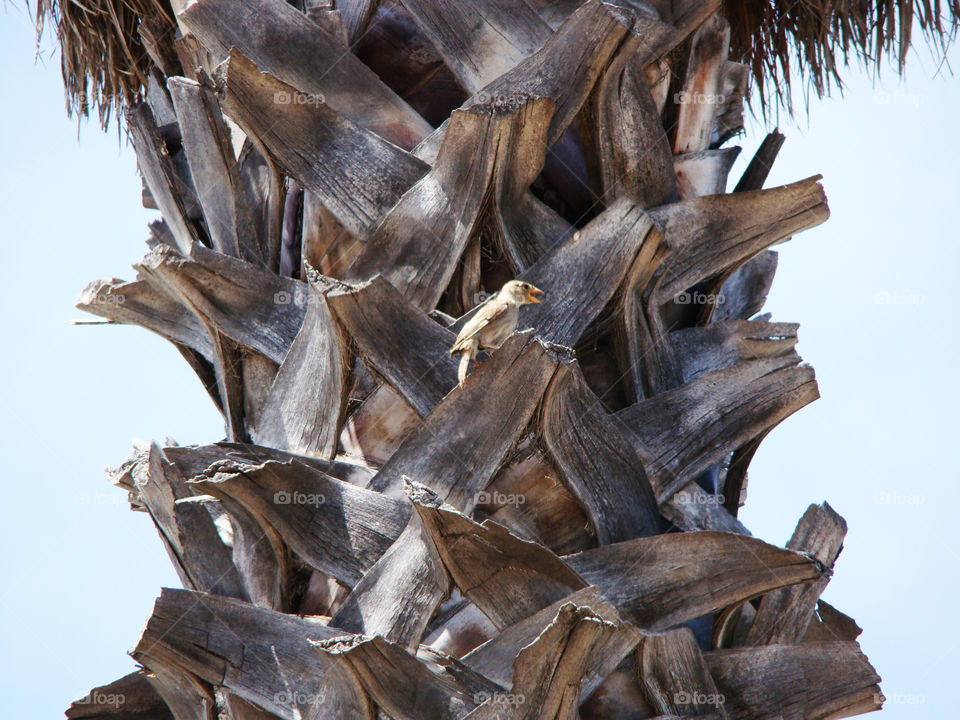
(872, 289)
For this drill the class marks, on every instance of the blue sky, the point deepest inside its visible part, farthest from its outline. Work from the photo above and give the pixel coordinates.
(871, 288)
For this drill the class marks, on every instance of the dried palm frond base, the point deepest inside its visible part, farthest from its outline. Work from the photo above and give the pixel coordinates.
(557, 538)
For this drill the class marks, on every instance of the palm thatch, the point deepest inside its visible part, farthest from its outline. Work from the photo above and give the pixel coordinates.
(104, 49)
(109, 47)
(822, 38)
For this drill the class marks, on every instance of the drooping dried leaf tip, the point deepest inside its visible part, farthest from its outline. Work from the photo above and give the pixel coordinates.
(109, 47)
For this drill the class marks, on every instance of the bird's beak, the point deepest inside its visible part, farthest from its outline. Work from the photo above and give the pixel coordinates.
(532, 295)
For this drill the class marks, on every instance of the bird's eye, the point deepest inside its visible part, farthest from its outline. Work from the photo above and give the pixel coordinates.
(526, 286)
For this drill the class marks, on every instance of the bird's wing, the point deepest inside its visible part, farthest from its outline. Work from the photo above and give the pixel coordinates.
(487, 314)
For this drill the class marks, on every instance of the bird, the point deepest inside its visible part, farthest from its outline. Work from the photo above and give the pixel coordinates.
(494, 323)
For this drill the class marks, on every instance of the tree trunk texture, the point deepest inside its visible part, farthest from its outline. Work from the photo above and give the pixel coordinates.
(343, 183)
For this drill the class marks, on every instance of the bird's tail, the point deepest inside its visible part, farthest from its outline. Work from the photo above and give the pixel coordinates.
(464, 365)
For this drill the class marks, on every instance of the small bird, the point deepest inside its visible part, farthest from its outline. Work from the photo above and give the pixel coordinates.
(493, 323)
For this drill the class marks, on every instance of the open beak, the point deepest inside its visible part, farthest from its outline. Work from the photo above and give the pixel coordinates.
(532, 295)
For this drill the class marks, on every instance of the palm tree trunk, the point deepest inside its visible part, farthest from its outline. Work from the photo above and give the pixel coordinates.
(558, 538)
